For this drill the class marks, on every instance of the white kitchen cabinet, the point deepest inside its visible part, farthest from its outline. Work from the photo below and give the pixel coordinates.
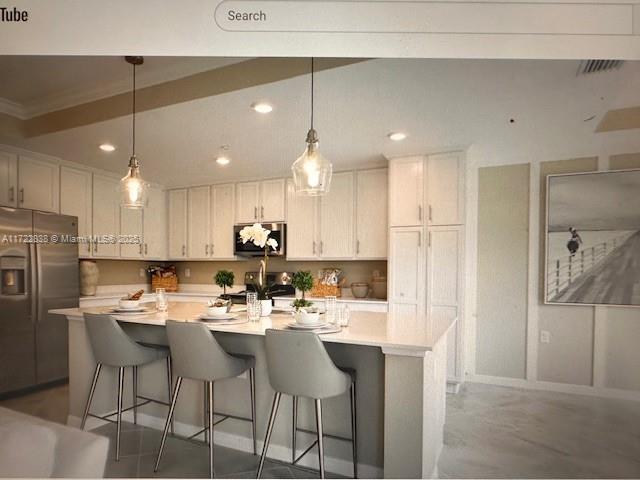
(406, 270)
(247, 202)
(371, 214)
(76, 199)
(444, 285)
(154, 217)
(337, 218)
(406, 191)
(222, 221)
(302, 226)
(178, 223)
(8, 179)
(38, 184)
(132, 243)
(445, 189)
(106, 216)
(198, 223)
(272, 200)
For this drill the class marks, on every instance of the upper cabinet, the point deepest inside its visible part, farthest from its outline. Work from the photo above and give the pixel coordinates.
(222, 221)
(106, 216)
(302, 226)
(178, 223)
(445, 189)
(371, 214)
(406, 191)
(76, 199)
(131, 241)
(198, 223)
(8, 179)
(337, 218)
(38, 184)
(260, 201)
(155, 225)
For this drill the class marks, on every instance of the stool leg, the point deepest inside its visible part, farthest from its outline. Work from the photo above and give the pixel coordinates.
(170, 383)
(210, 395)
(205, 418)
(120, 391)
(135, 394)
(90, 397)
(252, 386)
(176, 390)
(267, 438)
(354, 430)
(294, 429)
(320, 434)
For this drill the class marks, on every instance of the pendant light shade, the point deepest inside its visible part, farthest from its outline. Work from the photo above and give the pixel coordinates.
(133, 189)
(311, 171)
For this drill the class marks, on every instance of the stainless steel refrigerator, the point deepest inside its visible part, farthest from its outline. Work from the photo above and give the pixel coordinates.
(36, 275)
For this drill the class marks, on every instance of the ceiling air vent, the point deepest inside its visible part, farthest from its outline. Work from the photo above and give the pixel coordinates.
(595, 66)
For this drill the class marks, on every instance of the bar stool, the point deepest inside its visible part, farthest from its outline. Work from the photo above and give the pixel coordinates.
(300, 366)
(197, 355)
(114, 348)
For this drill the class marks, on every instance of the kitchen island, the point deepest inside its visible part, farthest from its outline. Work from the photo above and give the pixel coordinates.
(401, 367)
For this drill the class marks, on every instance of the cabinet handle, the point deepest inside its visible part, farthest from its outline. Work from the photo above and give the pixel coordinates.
(22, 195)
(95, 247)
(146, 250)
(357, 247)
(262, 213)
(314, 247)
(89, 246)
(420, 212)
(184, 250)
(430, 213)
(12, 195)
(206, 249)
(255, 213)
(419, 239)
(140, 248)
(321, 248)
(429, 239)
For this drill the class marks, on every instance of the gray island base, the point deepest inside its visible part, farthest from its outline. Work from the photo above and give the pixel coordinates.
(401, 383)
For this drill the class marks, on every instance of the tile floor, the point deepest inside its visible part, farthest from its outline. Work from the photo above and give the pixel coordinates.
(491, 432)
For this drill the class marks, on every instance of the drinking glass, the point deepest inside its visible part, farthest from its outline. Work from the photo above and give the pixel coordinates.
(330, 305)
(162, 302)
(344, 316)
(253, 307)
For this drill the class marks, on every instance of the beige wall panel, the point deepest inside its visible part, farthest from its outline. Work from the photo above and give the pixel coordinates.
(503, 242)
(624, 161)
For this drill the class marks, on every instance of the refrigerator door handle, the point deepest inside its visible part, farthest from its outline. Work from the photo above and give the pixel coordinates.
(33, 281)
(38, 287)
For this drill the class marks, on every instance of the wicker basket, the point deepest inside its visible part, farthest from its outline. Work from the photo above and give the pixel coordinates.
(170, 284)
(320, 290)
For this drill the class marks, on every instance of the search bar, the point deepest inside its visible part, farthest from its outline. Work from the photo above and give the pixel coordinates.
(426, 17)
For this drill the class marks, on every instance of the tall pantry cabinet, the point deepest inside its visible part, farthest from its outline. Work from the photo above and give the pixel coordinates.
(426, 243)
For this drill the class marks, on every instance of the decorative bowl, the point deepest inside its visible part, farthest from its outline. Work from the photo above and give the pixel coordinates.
(360, 289)
(307, 318)
(213, 311)
(125, 303)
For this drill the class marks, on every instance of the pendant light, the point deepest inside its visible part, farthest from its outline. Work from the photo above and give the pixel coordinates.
(311, 171)
(133, 189)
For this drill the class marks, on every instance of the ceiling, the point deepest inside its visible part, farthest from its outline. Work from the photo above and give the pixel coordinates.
(509, 111)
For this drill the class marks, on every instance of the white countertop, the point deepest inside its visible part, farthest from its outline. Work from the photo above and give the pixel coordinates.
(396, 334)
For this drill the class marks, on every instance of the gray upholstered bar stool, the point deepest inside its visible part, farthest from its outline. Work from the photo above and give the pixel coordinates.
(300, 366)
(197, 355)
(114, 348)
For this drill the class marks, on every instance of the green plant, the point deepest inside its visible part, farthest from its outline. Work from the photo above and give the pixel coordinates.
(224, 279)
(299, 303)
(302, 281)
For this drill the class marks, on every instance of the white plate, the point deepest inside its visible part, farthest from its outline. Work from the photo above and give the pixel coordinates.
(306, 326)
(222, 316)
(143, 311)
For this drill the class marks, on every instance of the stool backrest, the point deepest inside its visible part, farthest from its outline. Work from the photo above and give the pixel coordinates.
(196, 354)
(111, 345)
(299, 365)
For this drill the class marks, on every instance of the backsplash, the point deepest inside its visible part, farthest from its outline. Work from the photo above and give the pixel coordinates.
(126, 272)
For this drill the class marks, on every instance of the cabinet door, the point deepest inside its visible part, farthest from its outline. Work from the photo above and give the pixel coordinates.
(8, 179)
(38, 184)
(406, 273)
(178, 223)
(371, 214)
(130, 230)
(247, 200)
(337, 218)
(272, 200)
(222, 216)
(106, 215)
(445, 189)
(198, 222)
(444, 276)
(76, 199)
(406, 187)
(302, 223)
(155, 225)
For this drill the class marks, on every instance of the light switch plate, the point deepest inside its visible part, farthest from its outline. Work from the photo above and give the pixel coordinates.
(187, 272)
(142, 273)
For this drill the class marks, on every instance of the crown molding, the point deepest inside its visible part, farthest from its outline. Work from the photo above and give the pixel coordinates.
(12, 108)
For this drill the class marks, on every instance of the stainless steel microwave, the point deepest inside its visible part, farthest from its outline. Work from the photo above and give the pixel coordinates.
(278, 231)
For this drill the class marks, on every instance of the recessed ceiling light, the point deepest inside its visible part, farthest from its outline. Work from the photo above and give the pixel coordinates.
(397, 136)
(222, 161)
(262, 107)
(107, 147)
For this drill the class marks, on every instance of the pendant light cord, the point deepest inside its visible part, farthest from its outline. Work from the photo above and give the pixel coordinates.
(312, 93)
(134, 111)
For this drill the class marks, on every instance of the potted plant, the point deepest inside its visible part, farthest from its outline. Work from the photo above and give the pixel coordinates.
(305, 312)
(224, 279)
(259, 236)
